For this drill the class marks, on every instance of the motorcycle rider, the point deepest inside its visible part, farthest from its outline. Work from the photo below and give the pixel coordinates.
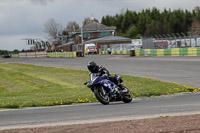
(103, 72)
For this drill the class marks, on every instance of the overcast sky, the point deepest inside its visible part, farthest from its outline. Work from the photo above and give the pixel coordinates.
(26, 18)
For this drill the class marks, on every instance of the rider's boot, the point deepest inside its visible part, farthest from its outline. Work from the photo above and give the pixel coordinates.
(116, 90)
(122, 89)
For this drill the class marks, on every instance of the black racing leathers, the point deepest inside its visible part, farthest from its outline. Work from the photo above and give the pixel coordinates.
(104, 72)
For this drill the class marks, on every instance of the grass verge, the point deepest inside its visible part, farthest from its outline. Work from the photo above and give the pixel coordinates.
(29, 86)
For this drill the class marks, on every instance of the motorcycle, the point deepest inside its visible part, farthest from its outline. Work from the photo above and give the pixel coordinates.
(107, 91)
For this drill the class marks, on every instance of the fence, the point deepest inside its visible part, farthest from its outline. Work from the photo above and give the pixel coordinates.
(178, 40)
(169, 52)
(32, 54)
(120, 49)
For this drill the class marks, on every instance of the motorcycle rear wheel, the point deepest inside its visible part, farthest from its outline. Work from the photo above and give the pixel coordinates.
(101, 96)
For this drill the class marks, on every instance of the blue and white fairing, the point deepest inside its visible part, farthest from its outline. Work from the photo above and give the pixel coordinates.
(95, 79)
(118, 78)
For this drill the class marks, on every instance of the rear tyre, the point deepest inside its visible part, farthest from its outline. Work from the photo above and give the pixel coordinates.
(127, 97)
(102, 96)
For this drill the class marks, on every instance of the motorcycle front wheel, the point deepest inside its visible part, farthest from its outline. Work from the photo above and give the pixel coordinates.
(127, 97)
(101, 95)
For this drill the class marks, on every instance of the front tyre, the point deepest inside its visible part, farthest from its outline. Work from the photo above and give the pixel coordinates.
(101, 95)
(127, 97)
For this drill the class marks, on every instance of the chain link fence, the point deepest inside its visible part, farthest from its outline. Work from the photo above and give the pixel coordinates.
(121, 47)
(170, 41)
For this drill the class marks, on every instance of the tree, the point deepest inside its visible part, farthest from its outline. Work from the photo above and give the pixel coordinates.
(141, 23)
(126, 21)
(153, 28)
(103, 21)
(153, 21)
(16, 51)
(71, 27)
(133, 32)
(195, 27)
(119, 19)
(52, 28)
(155, 14)
(89, 20)
(108, 20)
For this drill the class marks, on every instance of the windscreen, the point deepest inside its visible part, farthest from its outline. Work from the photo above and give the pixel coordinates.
(93, 76)
(91, 47)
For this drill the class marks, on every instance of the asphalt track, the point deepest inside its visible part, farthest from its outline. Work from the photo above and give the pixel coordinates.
(183, 70)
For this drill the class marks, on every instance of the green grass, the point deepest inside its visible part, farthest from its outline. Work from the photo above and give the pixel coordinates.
(28, 86)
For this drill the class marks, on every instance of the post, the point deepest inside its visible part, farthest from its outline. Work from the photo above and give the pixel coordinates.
(81, 34)
(162, 40)
(158, 39)
(179, 36)
(184, 38)
(190, 41)
(166, 39)
(175, 39)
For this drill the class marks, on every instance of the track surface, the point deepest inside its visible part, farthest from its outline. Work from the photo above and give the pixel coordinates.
(184, 70)
(96, 112)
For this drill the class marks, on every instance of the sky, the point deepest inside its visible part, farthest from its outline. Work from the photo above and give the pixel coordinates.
(20, 19)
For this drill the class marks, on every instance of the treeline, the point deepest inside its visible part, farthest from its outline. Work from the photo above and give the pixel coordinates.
(152, 21)
(6, 52)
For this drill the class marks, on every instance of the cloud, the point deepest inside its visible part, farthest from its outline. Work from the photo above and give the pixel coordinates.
(41, 2)
(26, 18)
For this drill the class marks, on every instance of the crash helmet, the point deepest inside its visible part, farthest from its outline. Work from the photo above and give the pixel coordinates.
(91, 66)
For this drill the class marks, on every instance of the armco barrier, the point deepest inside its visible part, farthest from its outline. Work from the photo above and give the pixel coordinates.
(169, 52)
(62, 55)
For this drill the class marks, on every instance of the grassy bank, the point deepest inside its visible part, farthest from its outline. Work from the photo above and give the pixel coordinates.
(28, 85)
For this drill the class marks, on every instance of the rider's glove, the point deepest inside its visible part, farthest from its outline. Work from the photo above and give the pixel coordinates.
(89, 86)
(104, 75)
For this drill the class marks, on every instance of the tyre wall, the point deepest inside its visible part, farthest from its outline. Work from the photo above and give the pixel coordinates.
(169, 52)
(116, 52)
(62, 55)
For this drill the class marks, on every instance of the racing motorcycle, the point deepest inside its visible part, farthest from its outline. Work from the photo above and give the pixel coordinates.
(107, 91)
